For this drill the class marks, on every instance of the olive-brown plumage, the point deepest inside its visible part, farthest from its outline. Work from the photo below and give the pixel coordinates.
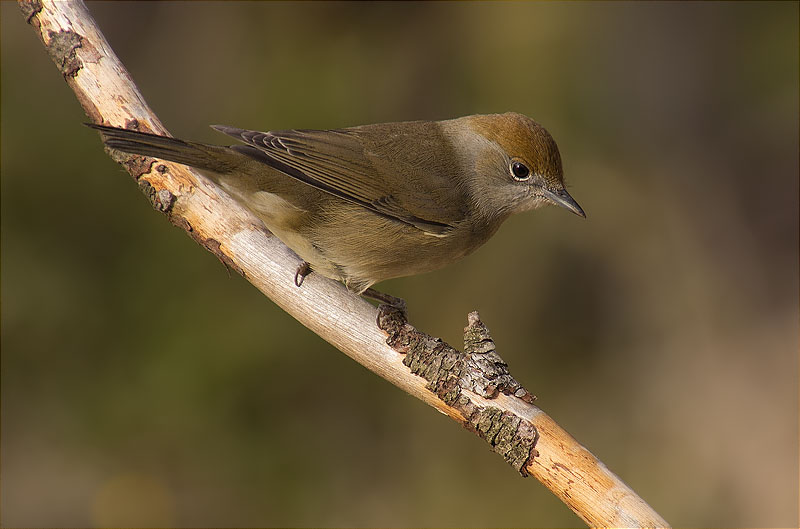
(369, 203)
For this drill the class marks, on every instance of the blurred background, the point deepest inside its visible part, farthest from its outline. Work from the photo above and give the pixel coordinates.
(144, 385)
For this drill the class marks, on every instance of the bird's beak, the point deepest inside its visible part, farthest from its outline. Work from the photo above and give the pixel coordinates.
(562, 198)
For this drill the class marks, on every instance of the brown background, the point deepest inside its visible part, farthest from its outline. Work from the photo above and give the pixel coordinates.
(141, 385)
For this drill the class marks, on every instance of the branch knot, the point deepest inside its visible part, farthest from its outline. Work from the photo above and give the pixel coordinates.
(452, 375)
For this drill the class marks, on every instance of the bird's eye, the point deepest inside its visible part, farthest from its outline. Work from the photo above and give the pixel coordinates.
(520, 171)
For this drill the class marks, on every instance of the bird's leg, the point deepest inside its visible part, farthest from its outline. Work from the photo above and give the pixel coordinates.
(394, 302)
(302, 271)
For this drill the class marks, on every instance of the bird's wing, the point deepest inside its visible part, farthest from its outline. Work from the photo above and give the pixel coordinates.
(335, 161)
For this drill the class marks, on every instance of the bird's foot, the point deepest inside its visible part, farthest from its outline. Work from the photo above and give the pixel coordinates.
(386, 299)
(302, 271)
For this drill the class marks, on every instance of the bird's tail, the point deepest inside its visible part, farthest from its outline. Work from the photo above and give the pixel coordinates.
(213, 158)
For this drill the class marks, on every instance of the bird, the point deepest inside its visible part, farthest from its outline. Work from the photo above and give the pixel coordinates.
(368, 203)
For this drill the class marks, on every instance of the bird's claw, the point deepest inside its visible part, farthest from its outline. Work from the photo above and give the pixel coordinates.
(302, 271)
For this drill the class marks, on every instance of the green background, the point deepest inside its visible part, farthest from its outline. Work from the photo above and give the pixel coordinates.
(142, 384)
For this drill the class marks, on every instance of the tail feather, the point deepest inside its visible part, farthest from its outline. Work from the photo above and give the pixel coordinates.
(200, 155)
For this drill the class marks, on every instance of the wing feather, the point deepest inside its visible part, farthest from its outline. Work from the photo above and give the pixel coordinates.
(335, 161)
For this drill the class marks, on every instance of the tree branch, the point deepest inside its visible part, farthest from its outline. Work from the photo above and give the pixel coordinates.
(473, 387)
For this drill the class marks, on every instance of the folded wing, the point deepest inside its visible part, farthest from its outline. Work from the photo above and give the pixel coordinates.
(336, 161)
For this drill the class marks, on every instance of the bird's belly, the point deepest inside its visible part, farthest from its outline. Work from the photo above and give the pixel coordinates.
(366, 248)
(351, 244)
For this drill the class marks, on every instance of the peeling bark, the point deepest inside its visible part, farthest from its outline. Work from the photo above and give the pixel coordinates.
(452, 374)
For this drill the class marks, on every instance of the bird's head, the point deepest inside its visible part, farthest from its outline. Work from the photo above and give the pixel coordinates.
(512, 163)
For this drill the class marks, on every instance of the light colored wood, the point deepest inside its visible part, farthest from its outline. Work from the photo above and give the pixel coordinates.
(108, 94)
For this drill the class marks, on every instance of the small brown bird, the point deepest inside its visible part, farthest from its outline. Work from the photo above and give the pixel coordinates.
(369, 203)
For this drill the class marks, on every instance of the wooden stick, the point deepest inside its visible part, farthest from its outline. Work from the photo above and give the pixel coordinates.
(472, 387)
